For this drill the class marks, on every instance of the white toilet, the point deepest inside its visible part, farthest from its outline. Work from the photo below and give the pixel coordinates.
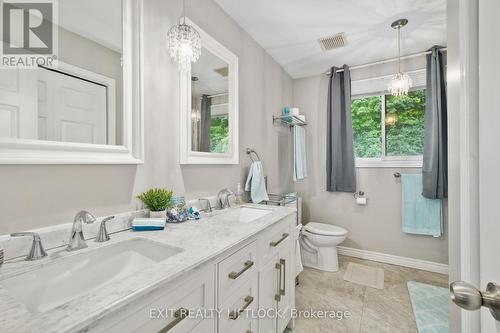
(319, 245)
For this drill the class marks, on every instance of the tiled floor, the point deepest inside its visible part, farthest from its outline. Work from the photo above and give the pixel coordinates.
(371, 310)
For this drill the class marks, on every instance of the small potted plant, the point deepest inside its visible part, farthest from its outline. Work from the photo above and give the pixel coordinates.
(157, 200)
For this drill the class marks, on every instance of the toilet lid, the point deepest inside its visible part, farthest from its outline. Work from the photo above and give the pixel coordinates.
(325, 229)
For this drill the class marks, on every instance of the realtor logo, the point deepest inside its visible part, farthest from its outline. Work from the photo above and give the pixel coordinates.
(29, 33)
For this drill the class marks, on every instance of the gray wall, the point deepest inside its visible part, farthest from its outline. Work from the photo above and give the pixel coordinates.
(34, 196)
(377, 226)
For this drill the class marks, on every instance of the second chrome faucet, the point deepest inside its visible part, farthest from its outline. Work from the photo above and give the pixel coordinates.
(77, 240)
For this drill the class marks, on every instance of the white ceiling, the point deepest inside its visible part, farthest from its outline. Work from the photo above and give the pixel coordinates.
(209, 82)
(289, 29)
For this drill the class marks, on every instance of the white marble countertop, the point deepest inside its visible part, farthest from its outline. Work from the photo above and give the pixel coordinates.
(201, 242)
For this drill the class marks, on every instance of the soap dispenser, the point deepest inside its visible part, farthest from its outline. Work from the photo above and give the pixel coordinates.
(238, 200)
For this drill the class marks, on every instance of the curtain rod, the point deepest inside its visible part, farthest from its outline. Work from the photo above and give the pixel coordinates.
(388, 60)
(218, 95)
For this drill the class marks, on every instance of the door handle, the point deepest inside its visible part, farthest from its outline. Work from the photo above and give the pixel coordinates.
(179, 315)
(277, 297)
(283, 290)
(235, 275)
(470, 298)
(283, 237)
(236, 313)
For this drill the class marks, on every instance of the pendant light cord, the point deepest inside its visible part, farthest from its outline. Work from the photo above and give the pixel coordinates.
(184, 11)
(399, 49)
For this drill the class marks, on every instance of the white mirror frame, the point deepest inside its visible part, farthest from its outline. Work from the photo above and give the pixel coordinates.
(25, 151)
(187, 156)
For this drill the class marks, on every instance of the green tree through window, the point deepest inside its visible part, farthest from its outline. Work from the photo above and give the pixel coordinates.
(219, 135)
(404, 125)
(366, 126)
(406, 136)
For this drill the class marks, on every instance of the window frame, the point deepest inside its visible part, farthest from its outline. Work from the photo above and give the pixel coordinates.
(387, 161)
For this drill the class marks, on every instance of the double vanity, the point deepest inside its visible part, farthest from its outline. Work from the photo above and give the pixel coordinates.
(232, 271)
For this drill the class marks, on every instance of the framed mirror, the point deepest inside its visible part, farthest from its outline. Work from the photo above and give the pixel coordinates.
(209, 106)
(85, 107)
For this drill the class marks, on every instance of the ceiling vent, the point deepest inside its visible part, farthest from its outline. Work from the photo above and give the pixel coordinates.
(333, 41)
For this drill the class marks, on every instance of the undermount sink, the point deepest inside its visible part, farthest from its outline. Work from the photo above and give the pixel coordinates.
(249, 214)
(68, 278)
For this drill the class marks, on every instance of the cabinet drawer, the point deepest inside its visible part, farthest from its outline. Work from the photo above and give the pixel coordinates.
(247, 326)
(272, 241)
(234, 270)
(158, 314)
(236, 312)
(206, 326)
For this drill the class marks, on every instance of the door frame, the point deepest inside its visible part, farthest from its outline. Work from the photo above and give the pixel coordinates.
(463, 144)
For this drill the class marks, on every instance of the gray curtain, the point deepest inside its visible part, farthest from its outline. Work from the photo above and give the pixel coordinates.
(340, 168)
(205, 123)
(435, 164)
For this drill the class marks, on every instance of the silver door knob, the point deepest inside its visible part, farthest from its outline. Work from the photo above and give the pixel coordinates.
(470, 298)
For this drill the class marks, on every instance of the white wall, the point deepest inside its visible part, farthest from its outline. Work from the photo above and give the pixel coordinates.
(35, 196)
(377, 226)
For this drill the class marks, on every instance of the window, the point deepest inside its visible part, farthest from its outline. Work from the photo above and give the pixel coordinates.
(389, 129)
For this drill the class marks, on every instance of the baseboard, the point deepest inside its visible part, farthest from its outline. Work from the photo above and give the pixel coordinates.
(394, 260)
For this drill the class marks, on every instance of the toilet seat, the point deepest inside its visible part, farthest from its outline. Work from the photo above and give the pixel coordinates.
(324, 229)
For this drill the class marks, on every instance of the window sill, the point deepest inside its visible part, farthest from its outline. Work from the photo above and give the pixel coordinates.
(388, 163)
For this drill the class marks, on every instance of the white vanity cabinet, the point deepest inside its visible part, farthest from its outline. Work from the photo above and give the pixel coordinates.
(150, 314)
(244, 283)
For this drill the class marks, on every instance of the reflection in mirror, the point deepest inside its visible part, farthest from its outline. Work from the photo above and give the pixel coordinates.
(79, 100)
(210, 104)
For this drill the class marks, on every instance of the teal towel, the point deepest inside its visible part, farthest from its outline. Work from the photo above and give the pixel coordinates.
(420, 215)
(148, 224)
(299, 152)
(146, 228)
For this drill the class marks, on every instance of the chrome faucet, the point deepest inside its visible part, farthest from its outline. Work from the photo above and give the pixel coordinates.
(223, 198)
(208, 208)
(102, 235)
(76, 240)
(37, 251)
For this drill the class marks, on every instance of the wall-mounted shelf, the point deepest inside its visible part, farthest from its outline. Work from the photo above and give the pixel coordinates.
(289, 121)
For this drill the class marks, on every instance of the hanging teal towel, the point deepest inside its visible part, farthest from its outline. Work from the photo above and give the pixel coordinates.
(420, 215)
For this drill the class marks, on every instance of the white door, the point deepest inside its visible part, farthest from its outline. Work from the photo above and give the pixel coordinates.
(489, 152)
(268, 291)
(487, 294)
(18, 115)
(287, 287)
(71, 109)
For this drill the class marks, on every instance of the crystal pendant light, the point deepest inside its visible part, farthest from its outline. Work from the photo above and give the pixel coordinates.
(401, 82)
(184, 43)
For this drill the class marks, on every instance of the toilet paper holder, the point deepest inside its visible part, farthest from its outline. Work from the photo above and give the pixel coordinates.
(358, 194)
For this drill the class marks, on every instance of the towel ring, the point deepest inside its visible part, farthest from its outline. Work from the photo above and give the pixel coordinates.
(249, 153)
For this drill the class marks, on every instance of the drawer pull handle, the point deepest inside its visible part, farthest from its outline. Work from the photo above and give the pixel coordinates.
(179, 315)
(283, 290)
(274, 244)
(277, 297)
(236, 313)
(235, 275)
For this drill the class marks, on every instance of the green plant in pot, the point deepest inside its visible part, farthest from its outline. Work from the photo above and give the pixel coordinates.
(157, 200)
